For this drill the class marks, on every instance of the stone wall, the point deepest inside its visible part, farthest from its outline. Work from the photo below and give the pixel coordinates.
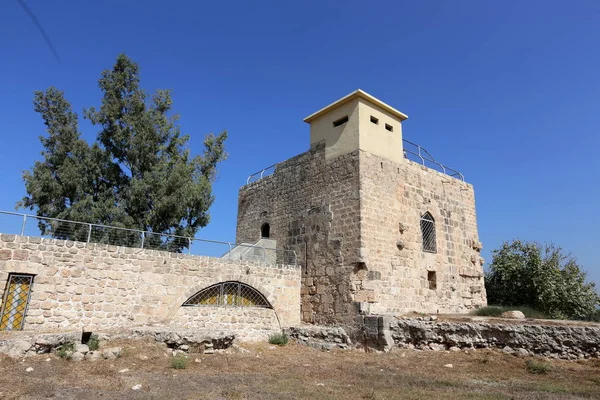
(354, 222)
(99, 287)
(247, 323)
(312, 207)
(550, 340)
(557, 339)
(393, 199)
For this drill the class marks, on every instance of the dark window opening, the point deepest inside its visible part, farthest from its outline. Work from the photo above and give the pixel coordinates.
(432, 280)
(340, 121)
(374, 120)
(428, 233)
(265, 230)
(389, 127)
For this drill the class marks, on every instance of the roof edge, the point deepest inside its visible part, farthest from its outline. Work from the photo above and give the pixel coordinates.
(357, 94)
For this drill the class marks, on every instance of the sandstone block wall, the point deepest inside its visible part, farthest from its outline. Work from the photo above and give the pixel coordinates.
(393, 199)
(355, 223)
(312, 206)
(96, 286)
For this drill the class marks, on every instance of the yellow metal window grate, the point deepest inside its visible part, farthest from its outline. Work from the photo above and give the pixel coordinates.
(16, 300)
(210, 296)
(229, 294)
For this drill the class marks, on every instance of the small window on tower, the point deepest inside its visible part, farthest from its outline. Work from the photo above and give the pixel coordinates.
(340, 121)
(432, 280)
(374, 120)
(389, 127)
(265, 231)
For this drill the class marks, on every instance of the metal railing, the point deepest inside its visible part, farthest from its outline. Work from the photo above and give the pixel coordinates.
(421, 155)
(259, 175)
(23, 225)
(424, 156)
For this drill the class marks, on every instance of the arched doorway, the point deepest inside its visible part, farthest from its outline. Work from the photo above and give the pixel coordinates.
(265, 231)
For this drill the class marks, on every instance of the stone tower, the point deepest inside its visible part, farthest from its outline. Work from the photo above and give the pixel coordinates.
(374, 231)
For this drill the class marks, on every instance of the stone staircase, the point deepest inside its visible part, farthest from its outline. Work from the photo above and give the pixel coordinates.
(259, 252)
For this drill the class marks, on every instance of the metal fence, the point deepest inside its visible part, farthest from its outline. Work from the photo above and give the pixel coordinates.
(32, 225)
(260, 174)
(412, 151)
(422, 156)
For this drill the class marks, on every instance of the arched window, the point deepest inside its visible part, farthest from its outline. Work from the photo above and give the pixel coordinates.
(428, 233)
(265, 230)
(229, 294)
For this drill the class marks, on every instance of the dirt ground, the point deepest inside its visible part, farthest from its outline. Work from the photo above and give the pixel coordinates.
(296, 372)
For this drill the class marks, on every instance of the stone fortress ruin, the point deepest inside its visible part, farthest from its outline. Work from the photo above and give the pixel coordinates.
(373, 231)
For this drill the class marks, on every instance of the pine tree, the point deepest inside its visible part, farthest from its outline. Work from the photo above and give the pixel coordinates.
(138, 175)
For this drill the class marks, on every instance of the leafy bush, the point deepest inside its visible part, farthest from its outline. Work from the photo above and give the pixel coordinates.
(280, 339)
(179, 362)
(536, 367)
(595, 316)
(65, 350)
(93, 343)
(496, 311)
(544, 278)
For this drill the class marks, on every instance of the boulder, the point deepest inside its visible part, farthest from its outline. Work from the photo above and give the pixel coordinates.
(93, 356)
(82, 348)
(521, 352)
(16, 348)
(513, 315)
(437, 347)
(111, 353)
(77, 356)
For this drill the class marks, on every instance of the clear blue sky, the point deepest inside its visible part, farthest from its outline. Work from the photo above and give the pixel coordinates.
(506, 92)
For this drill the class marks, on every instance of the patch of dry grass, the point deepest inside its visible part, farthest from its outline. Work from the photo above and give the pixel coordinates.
(296, 372)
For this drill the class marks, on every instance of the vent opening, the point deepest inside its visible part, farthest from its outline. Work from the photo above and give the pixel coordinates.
(432, 280)
(389, 127)
(374, 120)
(340, 121)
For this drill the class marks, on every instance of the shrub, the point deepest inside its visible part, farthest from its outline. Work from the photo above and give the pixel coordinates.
(544, 278)
(280, 339)
(179, 362)
(65, 350)
(496, 311)
(93, 343)
(536, 367)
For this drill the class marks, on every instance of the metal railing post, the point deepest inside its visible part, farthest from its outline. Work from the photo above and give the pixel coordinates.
(89, 233)
(24, 223)
(143, 239)
(189, 245)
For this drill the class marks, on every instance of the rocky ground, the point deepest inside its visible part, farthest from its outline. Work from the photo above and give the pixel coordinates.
(144, 369)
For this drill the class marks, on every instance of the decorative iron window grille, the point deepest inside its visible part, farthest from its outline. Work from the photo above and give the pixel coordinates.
(428, 233)
(229, 294)
(15, 302)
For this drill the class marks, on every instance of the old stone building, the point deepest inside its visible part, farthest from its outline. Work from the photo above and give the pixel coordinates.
(344, 234)
(375, 232)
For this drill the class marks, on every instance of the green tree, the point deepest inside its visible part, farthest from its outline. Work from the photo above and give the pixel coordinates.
(542, 277)
(139, 174)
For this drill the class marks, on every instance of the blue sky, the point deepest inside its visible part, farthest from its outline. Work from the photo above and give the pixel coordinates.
(506, 92)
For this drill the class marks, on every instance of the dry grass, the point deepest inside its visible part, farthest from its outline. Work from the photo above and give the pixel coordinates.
(295, 372)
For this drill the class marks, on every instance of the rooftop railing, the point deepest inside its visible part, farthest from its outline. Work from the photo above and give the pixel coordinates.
(260, 174)
(412, 151)
(422, 156)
